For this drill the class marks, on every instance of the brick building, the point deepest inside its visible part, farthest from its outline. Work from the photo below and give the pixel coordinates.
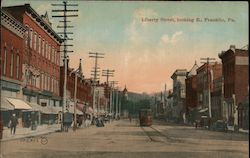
(236, 85)
(12, 54)
(83, 95)
(205, 75)
(40, 67)
(41, 63)
(191, 93)
(179, 93)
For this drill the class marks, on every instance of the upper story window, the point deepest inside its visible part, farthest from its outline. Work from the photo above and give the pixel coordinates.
(31, 37)
(39, 44)
(43, 47)
(17, 65)
(49, 50)
(35, 40)
(52, 54)
(5, 60)
(26, 35)
(46, 50)
(11, 62)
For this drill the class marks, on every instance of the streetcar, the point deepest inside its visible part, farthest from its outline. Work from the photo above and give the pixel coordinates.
(145, 117)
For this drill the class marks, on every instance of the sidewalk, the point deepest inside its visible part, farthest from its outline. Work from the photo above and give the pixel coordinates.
(27, 132)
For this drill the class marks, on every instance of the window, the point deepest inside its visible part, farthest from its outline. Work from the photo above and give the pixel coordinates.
(31, 38)
(49, 49)
(49, 84)
(11, 63)
(46, 49)
(41, 81)
(52, 55)
(39, 44)
(26, 35)
(45, 83)
(43, 47)
(17, 66)
(5, 61)
(38, 82)
(35, 38)
(55, 57)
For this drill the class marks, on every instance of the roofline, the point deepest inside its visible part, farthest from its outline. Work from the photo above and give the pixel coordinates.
(14, 19)
(30, 10)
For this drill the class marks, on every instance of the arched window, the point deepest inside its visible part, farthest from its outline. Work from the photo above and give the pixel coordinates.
(5, 61)
(11, 62)
(43, 47)
(49, 50)
(26, 35)
(31, 37)
(35, 40)
(17, 65)
(39, 44)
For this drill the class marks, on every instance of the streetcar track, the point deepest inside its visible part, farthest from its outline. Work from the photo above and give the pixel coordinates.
(160, 134)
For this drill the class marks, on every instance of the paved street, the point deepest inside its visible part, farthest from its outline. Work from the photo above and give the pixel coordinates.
(122, 139)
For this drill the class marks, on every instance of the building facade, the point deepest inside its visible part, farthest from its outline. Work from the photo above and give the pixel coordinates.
(179, 94)
(83, 91)
(191, 93)
(236, 85)
(41, 59)
(205, 75)
(12, 54)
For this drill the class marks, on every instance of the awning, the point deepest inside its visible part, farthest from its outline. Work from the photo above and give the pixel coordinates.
(5, 105)
(19, 104)
(203, 110)
(35, 107)
(51, 110)
(56, 110)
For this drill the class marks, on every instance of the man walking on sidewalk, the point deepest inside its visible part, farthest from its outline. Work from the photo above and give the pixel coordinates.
(13, 123)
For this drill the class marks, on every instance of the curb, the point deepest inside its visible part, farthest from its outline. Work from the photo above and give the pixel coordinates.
(29, 135)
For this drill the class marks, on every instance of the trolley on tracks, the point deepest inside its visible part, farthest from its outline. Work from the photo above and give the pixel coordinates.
(145, 117)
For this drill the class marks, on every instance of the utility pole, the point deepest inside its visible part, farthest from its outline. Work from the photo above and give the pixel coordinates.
(112, 107)
(65, 34)
(95, 73)
(164, 99)
(207, 62)
(108, 73)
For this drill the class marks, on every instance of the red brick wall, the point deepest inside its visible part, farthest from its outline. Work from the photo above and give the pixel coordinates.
(37, 59)
(83, 88)
(9, 40)
(191, 92)
(236, 80)
(241, 83)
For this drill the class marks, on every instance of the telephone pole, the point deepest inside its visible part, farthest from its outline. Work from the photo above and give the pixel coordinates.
(95, 73)
(207, 61)
(108, 73)
(64, 34)
(112, 102)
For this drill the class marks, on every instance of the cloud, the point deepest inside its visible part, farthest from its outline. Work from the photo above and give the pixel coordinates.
(165, 39)
(136, 29)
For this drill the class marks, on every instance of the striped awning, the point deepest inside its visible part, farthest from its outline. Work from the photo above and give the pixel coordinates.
(19, 104)
(5, 105)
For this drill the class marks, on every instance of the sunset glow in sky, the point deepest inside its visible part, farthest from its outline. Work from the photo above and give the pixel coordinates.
(145, 52)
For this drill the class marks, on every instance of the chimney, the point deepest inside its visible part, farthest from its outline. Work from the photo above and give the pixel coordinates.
(232, 47)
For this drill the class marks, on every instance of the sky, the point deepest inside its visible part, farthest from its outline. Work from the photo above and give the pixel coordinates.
(145, 42)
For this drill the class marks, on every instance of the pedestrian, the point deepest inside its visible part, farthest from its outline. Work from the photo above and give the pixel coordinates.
(13, 123)
(130, 119)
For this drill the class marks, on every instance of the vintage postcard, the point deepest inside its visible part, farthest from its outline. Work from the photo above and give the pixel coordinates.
(126, 79)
